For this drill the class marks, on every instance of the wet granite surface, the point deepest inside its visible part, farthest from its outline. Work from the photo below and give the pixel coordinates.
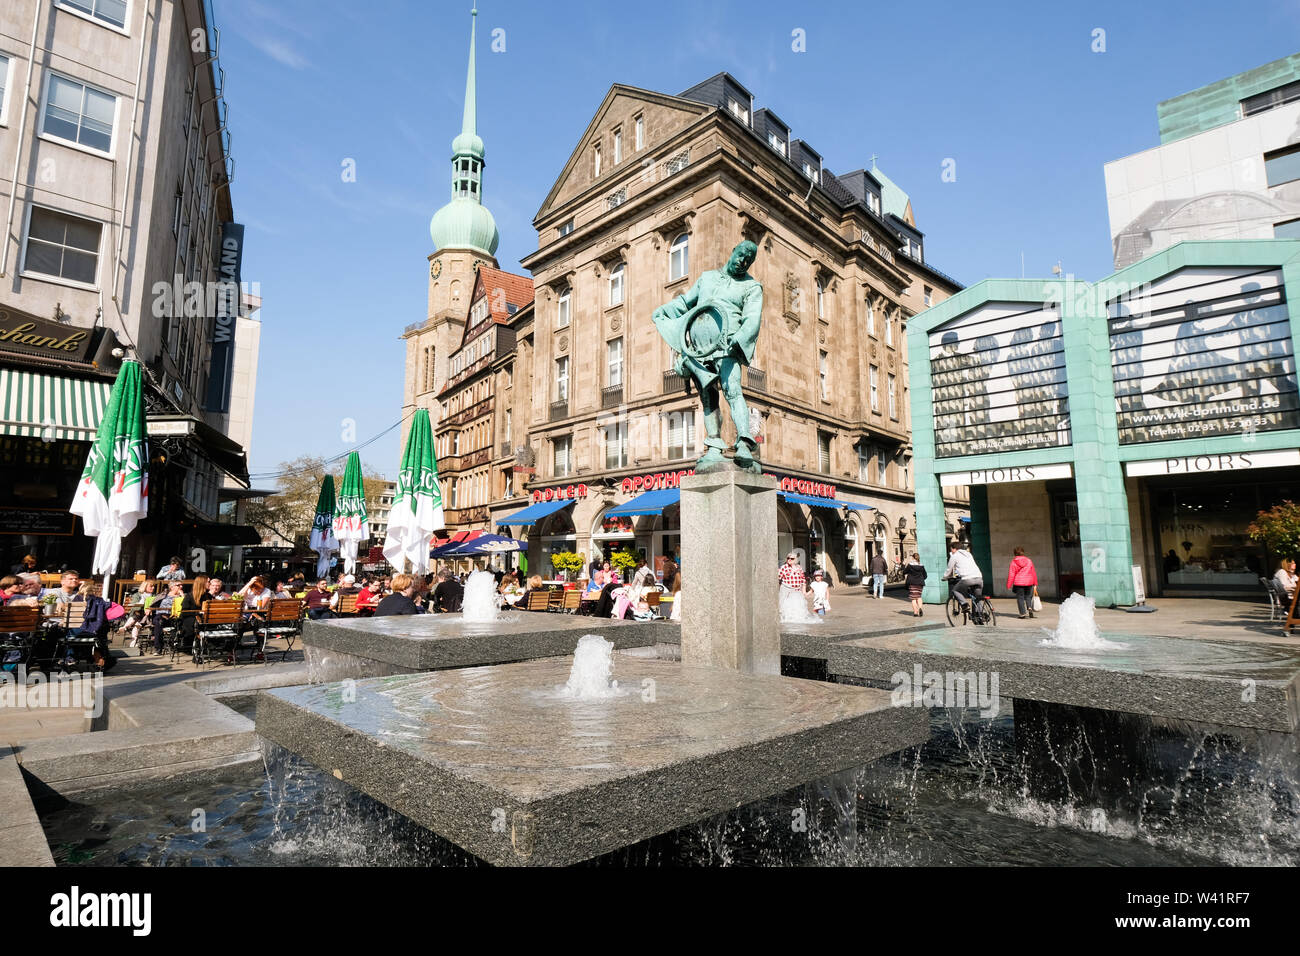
(1231, 683)
(498, 761)
(430, 641)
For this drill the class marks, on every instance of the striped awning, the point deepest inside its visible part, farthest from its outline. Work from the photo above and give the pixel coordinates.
(40, 405)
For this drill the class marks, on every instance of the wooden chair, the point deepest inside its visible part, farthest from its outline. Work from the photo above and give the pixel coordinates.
(651, 598)
(556, 600)
(537, 601)
(19, 627)
(217, 628)
(571, 602)
(283, 619)
(347, 604)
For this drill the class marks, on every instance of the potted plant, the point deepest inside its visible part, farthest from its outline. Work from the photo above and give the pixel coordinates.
(566, 563)
(1278, 529)
(624, 562)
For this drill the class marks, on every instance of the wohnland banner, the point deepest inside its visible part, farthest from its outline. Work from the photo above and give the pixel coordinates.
(229, 265)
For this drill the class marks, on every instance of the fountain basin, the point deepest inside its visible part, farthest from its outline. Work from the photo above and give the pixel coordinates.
(813, 640)
(496, 760)
(1229, 683)
(375, 646)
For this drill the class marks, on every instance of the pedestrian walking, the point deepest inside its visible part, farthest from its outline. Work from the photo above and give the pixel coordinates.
(879, 569)
(821, 593)
(914, 575)
(1023, 579)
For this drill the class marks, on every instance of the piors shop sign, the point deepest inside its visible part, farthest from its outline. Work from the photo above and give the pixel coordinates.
(20, 332)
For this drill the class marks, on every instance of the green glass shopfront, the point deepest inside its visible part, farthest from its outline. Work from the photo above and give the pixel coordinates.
(1125, 433)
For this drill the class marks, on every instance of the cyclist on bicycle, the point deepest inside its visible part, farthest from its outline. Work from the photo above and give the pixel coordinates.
(967, 579)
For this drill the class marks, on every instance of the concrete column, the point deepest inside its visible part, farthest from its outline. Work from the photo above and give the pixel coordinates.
(729, 618)
(981, 538)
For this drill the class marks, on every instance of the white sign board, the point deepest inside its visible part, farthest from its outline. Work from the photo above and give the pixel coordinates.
(182, 426)
(1139, 590)
(1201, 464)
(994, 476)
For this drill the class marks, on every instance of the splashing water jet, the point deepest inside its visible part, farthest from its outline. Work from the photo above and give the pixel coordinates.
(593, 669)
(480, 602)
(1077, 627)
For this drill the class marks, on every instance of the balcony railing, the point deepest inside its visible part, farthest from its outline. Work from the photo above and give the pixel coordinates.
(559, 410)
(756, 379)
(611, 397)
(673, 383)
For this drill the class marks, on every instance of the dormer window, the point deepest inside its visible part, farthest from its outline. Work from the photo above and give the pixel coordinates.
(776, 142)
(810, 172)
(737, 110)
(873, 203)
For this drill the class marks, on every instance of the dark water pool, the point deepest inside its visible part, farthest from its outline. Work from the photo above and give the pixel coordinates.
(959, 799)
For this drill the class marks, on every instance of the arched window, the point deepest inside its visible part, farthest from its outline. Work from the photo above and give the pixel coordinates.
(562, 314)
(679, 257)
(616, 285)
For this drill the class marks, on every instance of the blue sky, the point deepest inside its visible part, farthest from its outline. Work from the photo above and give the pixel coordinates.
(1014, 95)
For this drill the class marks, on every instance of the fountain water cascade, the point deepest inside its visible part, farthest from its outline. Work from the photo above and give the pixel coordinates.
(481, 603)
(1077, 628)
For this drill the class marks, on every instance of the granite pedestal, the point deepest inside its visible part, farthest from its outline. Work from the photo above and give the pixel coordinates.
(496, 760)
(374, 646)
(729, 535)
(1228, 683)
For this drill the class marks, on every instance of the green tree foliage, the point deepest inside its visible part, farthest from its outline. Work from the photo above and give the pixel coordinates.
(1278, 528)
(285, 517)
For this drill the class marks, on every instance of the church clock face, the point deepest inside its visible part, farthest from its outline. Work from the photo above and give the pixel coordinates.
(435, 269)
(477, 263)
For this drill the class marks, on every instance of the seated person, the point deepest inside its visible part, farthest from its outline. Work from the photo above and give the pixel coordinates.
(347, 585)
(168, 611)
(447, 593)
(368, 597)
(318, 600)
(534, 586)
(95, 624)
(1285, 578)
(510, 590)
(141, 605)
(402, 600)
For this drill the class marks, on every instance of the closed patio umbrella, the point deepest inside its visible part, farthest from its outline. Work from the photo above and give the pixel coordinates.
(322, 527)
(350, 524)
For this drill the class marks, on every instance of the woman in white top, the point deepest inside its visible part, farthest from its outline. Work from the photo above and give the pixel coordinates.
(1286, 577)
(820, 592)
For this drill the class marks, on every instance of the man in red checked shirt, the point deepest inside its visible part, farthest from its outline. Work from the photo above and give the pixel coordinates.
(791, 574)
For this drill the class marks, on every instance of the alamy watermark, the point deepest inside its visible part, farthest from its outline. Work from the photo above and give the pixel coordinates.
(958, 689)
(20, 690)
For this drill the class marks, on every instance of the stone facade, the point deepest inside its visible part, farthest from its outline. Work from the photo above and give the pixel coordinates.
(602, 410)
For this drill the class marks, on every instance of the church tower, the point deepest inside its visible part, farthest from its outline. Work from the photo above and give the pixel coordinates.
(464, 235)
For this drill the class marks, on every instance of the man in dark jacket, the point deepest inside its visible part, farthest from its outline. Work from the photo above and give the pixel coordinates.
(447, 593)
(879, 569)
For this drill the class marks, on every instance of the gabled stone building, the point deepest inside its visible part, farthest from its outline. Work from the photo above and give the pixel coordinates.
(658, 189)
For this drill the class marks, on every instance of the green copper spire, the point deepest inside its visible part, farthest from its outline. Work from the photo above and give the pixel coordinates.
(468, 142)
(465, 223)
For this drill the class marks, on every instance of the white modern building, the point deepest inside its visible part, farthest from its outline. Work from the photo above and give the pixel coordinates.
(1227, 167)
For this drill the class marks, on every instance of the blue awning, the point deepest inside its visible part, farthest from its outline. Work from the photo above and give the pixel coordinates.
(854, 506)
(535, 513)
(814, 502)
(650, 503)
(964, 520)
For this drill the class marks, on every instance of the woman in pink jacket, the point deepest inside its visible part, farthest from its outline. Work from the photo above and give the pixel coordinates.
(1022, 578)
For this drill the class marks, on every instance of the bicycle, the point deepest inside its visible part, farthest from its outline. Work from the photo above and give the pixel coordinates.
(978, 610)
(896, 574)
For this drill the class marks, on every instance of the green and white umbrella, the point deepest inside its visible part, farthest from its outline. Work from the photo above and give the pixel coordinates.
(322, 527)
(417, 505)
(350, 524)
(114, 490)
